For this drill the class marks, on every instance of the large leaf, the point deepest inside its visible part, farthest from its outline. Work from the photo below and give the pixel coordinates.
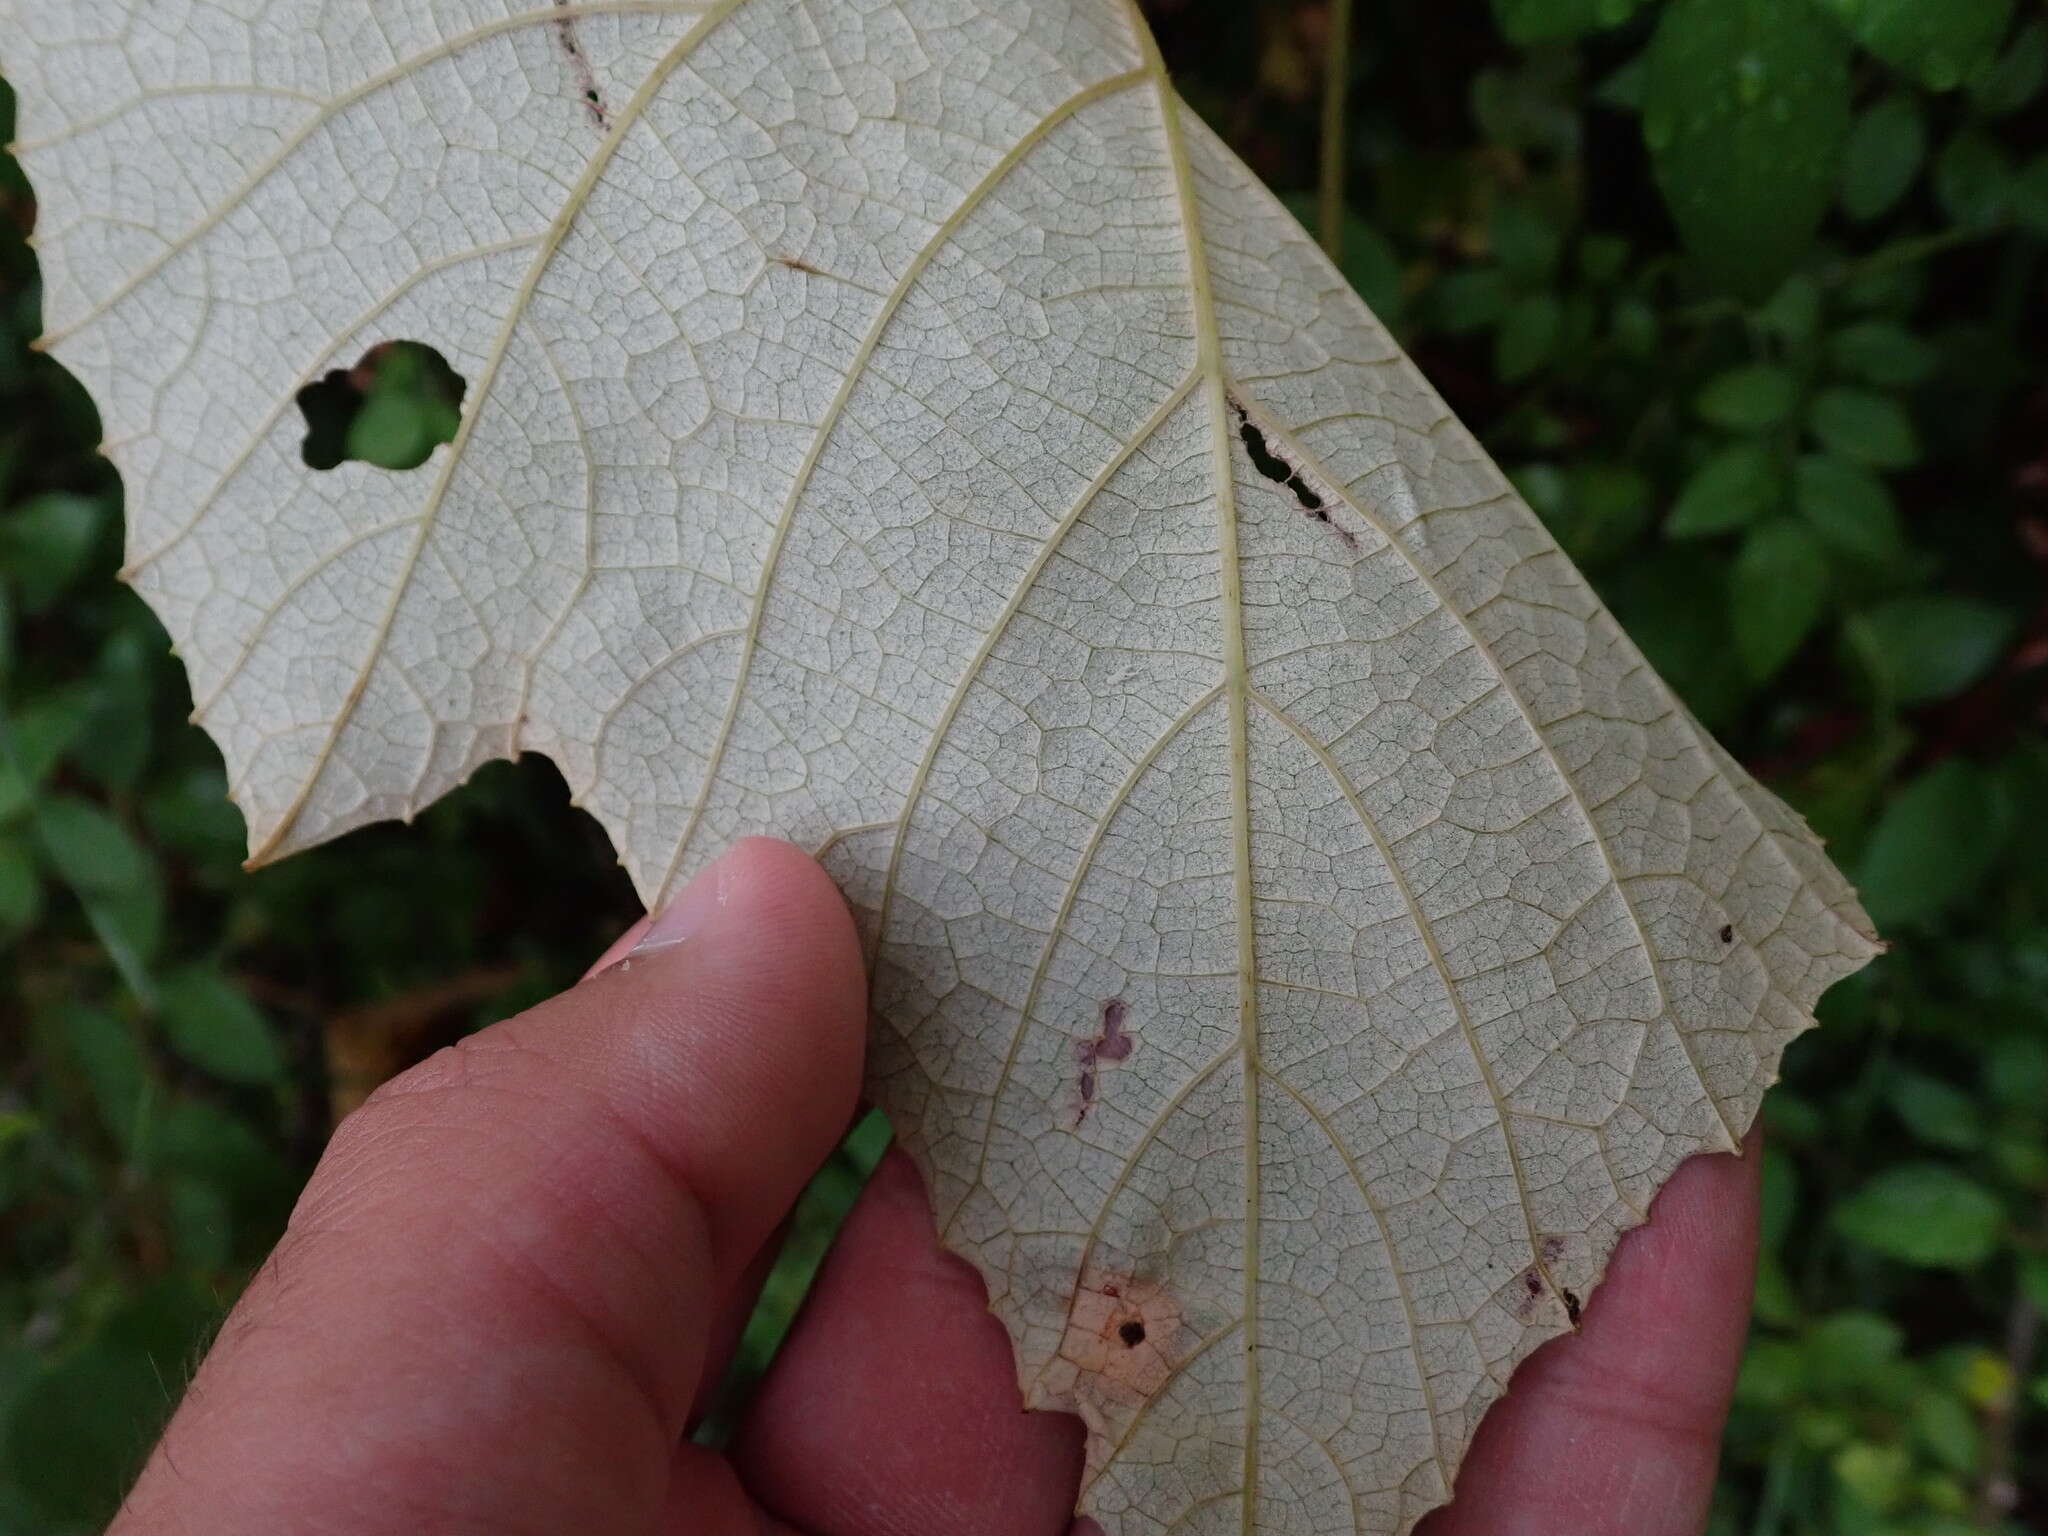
(1746, 112)
(1306, 934)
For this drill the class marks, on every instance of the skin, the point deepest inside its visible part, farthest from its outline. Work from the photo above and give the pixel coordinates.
(519, 1264)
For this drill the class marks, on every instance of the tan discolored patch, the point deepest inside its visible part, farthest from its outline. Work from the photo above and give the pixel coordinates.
(1124, 1337)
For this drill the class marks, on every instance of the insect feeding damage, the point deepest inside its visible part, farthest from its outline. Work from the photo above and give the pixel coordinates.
(1110, 1045)
(579, 65)
(1534, 1283)
(1280, 472)
(1123, 1343)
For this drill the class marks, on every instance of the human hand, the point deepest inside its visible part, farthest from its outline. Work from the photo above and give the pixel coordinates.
(518, 1268)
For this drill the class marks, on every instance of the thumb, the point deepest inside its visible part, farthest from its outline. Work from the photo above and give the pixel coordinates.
(489, 1311)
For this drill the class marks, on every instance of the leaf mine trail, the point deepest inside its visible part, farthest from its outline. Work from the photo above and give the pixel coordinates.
(1305, 933)
(580, 71)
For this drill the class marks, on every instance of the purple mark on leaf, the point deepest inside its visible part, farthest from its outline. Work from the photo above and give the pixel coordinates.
(1111, 1045)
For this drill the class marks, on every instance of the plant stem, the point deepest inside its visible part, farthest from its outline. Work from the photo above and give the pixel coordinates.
(1903, 253)
(1778, 1475)
(1336, 86)
(1997, 1491)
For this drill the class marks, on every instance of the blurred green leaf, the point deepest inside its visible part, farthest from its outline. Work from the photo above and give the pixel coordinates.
(1939, 41)
(91, 850)
(1849, 507)
(80, 1428)
(1610, 507)
(114, 740)
(2016, 1071)
(1373, 268)
(114, 877)
(1780, 592)
(1925, 1214)
(1922, 648)
(1746, 116)
(20, 889)
(2014, 78)
(108, 1057)
(1793, 313)
(1974, 179)
(1528, 336)
(2034, 1280)
(212, 1024)
(202, 1141)
(1741, 484)
(392, 431)
(39, 733)
(45, 543)
(1846, 1351)
(1886, 149)
(1933, 845)
(1603, 259)
(1938, 1113)
(1945, 1426)
(1873, 1475)
(193, 814)
(1527, 243)
(1546, 21)
(202, 1224)
(1472, 299)
(1750, 398)
(2029, 194)
(1865, 428)
(1674, 605)
(1636, 328)
(1773, 1375)
(1881, 352)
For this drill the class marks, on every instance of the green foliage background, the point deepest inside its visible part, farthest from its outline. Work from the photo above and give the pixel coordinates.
(1749, 297)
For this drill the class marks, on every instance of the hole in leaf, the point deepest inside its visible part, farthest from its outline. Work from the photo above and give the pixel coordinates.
(1132, 1333)
(393, 409)
(1275, 468)
(1282, 473)
(1727, 933)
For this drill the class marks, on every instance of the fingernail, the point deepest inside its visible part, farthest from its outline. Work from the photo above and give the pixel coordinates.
(694, 908)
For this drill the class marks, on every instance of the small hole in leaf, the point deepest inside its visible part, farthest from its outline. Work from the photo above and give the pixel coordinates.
(1727, 933)
(393, 409)
(1132, 1333)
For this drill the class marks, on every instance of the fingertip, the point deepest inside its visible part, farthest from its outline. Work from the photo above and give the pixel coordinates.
(1614, 1430)
(895, 1404)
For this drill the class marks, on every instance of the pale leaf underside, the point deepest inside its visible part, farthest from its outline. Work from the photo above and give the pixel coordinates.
(1303, 925)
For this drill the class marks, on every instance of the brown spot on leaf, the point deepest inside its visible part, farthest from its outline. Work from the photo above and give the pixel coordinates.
(1727, 933)
(1124, 1336)
(798, 264)
(1571, 1307)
